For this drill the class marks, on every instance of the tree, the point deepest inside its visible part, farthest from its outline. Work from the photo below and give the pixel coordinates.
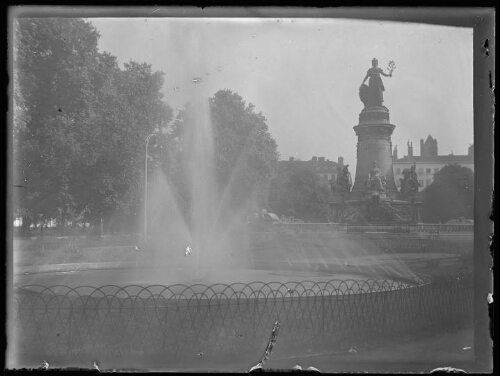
(297, 191)
(53, 60)
(80, 123)
(450, 196)
(244, 153)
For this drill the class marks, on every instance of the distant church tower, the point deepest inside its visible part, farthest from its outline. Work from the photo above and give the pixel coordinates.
(429, 148)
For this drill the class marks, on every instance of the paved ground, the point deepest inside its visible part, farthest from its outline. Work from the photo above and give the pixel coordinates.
(423, 354)
(408, 355)
(416, 355)
(454, 349)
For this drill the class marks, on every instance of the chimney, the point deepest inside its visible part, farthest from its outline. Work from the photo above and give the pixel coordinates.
(395, 153)
(314, 159)
(340, 161)
(290, 159)
(410, 148)
(321, 159)
(422, 151)
(471, 150)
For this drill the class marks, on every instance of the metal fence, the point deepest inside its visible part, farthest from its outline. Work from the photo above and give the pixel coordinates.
(393, 228)
(415, 244)
(231, 320)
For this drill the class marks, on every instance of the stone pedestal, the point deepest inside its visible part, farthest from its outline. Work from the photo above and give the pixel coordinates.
(374, 133)
(364, 204)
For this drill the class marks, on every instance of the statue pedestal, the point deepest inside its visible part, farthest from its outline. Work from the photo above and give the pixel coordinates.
(374, 133)
(376, 209)
(369, 202)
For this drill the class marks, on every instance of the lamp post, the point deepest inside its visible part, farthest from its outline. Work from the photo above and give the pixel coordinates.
(146, 190)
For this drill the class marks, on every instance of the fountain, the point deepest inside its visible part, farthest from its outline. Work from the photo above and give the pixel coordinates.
(196, 237)
(207, 240)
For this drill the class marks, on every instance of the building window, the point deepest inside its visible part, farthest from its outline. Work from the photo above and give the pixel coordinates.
(420, 170)
(427, 170)
(436, 169)
(398, 171)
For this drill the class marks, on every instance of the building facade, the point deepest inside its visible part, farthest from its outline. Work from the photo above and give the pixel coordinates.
(429, 162)
(327, 170)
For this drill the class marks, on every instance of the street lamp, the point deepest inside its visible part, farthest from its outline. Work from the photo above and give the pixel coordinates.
(146, 190)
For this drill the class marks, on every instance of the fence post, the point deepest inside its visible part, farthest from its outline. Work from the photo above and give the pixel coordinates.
(69, 327)
(323, 318)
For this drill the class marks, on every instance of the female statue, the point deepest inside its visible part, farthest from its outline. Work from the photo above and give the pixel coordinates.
(372, 95)
(376, 181)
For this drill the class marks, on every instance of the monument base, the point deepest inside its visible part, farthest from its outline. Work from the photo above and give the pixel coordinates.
(375, 209)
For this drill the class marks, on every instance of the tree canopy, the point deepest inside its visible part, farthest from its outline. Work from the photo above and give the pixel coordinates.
(450, 196)
(299, 192)
(80, 123)
(244, 153)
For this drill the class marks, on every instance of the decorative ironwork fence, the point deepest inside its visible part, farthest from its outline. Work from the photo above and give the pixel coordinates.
(230, 320)
(393, 228)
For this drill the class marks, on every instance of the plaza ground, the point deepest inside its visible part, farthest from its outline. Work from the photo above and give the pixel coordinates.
(420, 352)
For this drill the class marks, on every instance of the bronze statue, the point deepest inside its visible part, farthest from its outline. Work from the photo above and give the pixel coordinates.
(409, 183)
(372, 95)
(376, 181)
(333, 187)
(344, 181)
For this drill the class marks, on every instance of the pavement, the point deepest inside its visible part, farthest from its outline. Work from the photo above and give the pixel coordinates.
(71, 267)
(352, 261)
(446, 349)
(416, 355)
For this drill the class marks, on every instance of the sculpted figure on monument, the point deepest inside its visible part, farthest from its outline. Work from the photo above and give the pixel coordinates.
(344, 181)
(376, 181)
(409, 183)
(333, 187)
(372, 95)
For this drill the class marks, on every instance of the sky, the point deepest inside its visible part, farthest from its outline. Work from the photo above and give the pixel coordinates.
(304, 74)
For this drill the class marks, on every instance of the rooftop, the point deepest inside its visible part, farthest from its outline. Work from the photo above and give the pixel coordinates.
(437, 159)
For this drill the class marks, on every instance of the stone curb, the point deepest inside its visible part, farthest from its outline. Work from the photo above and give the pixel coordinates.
(54, 268)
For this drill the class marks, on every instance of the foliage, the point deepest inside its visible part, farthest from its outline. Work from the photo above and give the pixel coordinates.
(79, 123)
(244, 152)
(450, 196)
(298, 191)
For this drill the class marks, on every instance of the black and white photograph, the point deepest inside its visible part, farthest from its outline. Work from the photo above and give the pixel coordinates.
(250, 189)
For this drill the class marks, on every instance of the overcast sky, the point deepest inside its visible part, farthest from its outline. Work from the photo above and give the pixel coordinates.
(304, 74)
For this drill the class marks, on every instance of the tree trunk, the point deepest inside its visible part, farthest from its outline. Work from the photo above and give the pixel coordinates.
(63, 221)
(25, 228)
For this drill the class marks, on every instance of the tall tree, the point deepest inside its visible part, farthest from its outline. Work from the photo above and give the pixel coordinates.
(80, 123)
(450, 196)
(244, 152)
(297, 191)
(53, 60)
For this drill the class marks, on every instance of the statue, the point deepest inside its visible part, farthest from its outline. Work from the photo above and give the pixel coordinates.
(333, 187)
(344, 181)
(376, 181)
(409, 183)
(372, 95)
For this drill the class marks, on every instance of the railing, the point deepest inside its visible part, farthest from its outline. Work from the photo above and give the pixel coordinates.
(413, 244)
(231, 320)
(393, 228)
(308, 227)
(444, 228)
